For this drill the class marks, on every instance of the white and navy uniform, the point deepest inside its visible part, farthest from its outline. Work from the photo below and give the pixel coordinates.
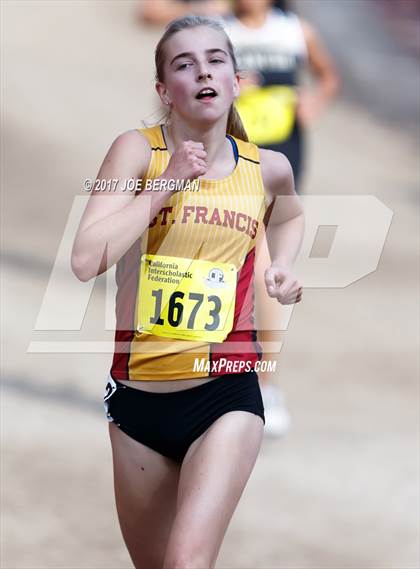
(274, 53)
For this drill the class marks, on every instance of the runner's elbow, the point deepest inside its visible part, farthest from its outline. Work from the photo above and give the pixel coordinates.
(81, 268)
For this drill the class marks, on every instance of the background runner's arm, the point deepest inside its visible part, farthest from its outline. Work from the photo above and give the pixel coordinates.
(114, 218)
(312, 101)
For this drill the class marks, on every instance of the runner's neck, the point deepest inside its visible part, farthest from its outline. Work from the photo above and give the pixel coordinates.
(217, 147)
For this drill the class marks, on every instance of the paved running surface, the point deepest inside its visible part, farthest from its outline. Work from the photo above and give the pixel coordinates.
(341, 491)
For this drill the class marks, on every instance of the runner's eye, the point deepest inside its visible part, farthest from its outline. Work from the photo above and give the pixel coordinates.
(183, 66)
(217, 60)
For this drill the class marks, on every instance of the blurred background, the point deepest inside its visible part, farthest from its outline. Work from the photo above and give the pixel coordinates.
(341, 489)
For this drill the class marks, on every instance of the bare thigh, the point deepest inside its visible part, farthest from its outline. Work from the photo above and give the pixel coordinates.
(145, 484)
(214, 473)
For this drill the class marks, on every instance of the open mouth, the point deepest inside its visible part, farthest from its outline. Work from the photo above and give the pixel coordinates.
(206, 93)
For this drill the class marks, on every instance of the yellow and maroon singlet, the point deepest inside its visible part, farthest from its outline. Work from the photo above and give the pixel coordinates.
(184, 306)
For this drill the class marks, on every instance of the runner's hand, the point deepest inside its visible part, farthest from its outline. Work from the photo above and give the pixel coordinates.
(187, 162)
(309, 107)
(281, 284)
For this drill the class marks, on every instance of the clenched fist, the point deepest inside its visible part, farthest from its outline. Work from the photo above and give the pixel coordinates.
(187, 162)
(281, 284)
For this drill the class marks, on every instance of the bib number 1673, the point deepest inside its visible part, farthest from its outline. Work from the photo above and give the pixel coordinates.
(177, 314)
(186, 299)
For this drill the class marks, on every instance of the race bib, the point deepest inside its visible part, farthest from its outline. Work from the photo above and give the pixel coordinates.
(268, 113)
(186, 299)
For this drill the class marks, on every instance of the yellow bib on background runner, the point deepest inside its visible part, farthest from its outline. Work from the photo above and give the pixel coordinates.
(186, 299)
(268, 113)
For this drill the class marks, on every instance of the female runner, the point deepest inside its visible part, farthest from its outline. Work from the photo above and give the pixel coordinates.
(183, 400)
(272, 44)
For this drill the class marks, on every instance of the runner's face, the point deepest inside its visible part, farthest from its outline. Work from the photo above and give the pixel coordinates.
(251, 7)
(196, 59)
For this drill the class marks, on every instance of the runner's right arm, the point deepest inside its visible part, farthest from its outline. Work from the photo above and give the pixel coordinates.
(113, 220)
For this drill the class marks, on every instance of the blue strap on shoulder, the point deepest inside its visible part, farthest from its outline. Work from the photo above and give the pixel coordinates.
(234, 147)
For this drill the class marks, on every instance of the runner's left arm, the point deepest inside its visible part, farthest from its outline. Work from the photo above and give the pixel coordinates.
(284, 226)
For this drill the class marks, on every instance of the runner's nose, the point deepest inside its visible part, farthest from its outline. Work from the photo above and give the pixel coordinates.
(204, 75)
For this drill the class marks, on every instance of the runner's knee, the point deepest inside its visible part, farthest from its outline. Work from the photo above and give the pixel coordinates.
(184, 558)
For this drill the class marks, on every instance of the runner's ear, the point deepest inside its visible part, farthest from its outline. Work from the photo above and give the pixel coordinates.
(236, 87)
(162, 91)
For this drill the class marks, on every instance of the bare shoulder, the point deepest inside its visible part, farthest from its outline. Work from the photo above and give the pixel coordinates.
(131, 138)
(130, 149)
(277, 173)
(308, 30)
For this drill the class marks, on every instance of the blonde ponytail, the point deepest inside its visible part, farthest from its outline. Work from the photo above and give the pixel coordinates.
(235, 126)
